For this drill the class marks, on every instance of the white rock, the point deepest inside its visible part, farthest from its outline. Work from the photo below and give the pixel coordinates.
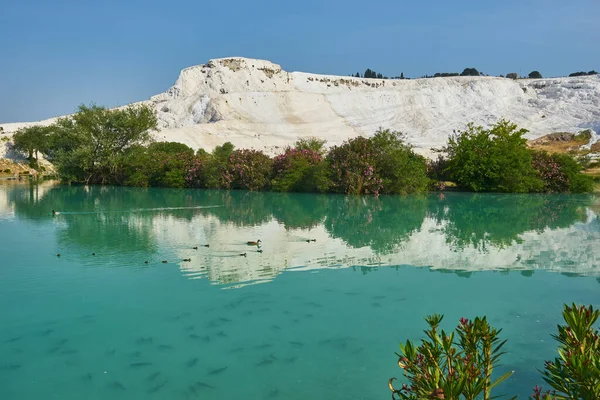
(255, 104)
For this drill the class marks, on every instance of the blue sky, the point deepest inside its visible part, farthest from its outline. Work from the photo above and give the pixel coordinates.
(57, 54)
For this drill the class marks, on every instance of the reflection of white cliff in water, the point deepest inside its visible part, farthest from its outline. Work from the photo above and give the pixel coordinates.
(455, 231)
(570, 250)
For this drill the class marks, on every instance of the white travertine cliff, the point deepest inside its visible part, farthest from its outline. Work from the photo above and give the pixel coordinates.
(256, 104)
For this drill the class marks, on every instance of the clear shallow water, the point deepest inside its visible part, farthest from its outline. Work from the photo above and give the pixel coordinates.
(300, 320)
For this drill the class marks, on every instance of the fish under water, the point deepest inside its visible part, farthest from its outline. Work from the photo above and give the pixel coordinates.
(158, 387)
(116, 385)
(236, 350)
(144, 340)
(218, 371)
(140, 364)
(164, 347)
(153, 376)
(191, 362)
(290, 360)
(194, 388)
(10, 367)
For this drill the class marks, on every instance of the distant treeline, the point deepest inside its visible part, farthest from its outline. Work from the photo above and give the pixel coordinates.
(583, 73)
(114, 147)
(369, 73)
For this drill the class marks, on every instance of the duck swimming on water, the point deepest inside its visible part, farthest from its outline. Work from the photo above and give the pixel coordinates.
(257, 243)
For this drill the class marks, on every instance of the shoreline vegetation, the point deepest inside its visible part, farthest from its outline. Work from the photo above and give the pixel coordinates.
(114, 147)
(462, 363)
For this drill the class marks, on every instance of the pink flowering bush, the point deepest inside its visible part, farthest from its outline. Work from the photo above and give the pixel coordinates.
(247, 169)
(382, 164)
(300, 170)
(352, 167)
(560, 173)
(195, 176)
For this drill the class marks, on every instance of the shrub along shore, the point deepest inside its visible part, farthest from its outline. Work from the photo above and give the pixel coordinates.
(114, 147)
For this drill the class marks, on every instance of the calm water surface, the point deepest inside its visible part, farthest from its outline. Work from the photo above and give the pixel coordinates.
(318, 320)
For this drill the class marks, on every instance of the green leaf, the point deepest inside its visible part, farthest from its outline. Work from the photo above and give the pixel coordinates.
(502, 379)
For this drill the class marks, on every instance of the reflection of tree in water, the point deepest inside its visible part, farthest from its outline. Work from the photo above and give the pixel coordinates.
(239, 207)
(381, 223)
(120, 219)
(300, 210)
(480, 221)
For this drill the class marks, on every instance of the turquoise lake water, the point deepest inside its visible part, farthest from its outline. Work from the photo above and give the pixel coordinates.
(299, 320)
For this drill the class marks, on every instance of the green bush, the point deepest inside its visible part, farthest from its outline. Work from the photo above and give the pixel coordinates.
(312, 144)
(402, 170)
(460, 365)
(575, 373)
(159, 164)
(216, 166)
(495, 159)
(7, 171)
(301, 168)
(453, 366)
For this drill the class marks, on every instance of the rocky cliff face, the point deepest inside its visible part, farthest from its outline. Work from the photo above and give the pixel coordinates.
(255, 104)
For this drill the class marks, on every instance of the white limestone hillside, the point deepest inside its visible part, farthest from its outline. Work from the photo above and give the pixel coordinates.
(255, 104)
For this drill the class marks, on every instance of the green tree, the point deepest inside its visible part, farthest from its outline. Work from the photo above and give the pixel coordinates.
(535, 75)
(402, 170)
(495, 159)
(216, 165)
(89, 146)
(401, 75)
(470, 72)
(312, 143)
(31, 140)
(163, 164)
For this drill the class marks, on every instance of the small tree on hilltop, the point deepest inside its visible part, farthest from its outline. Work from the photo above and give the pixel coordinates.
(470, 72)
(535, 75)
